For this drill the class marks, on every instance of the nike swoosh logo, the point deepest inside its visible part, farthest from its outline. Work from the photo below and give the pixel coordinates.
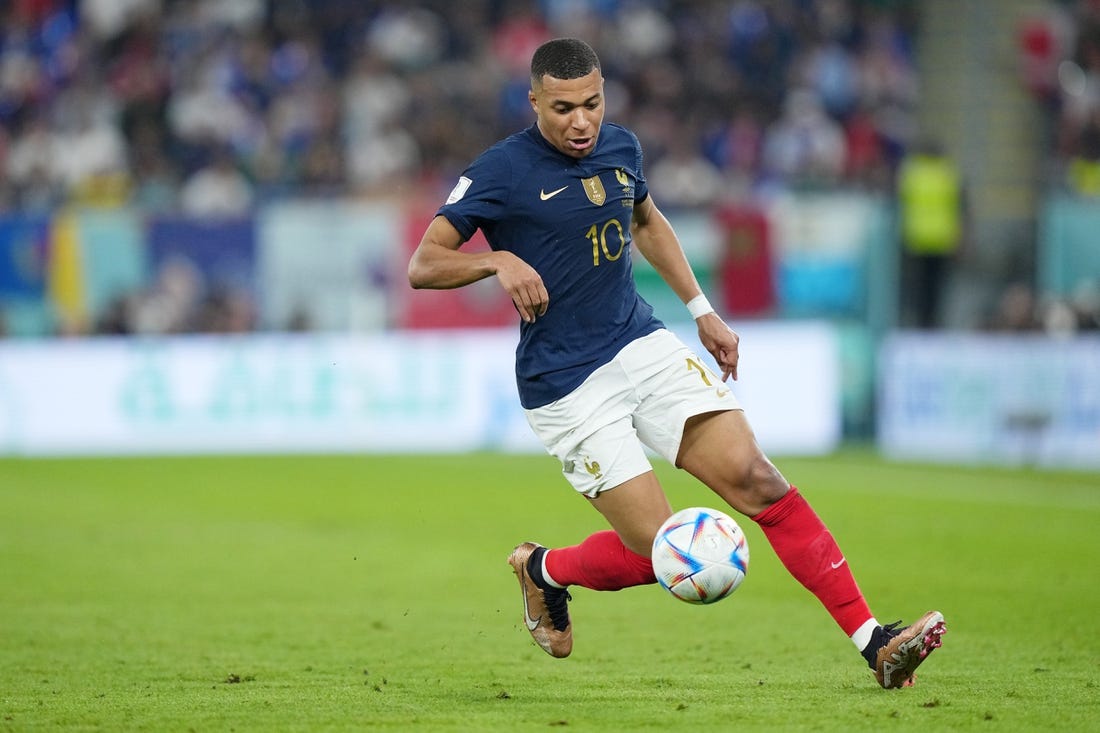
(532, 623)
(721, 392)
(546, 196)
(835, 565)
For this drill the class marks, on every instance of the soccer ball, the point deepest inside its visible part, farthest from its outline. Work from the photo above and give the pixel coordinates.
(700, 555)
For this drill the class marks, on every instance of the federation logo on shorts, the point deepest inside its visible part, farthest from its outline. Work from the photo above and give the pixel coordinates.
(593, 468)
(459, 190)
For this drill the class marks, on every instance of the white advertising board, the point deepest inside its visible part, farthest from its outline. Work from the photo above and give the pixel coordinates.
(990, 399)
(448, 391)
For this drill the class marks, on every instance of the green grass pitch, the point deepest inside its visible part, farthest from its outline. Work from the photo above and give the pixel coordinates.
(321, 593)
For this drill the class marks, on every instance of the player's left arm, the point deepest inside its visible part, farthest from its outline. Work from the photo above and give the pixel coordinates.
(655, 238)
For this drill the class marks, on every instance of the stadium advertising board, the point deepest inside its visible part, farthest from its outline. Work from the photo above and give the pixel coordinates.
(331, 266)
(432, 391)
(990, 399)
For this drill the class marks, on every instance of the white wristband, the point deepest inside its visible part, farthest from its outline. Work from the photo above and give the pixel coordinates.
(699, 306)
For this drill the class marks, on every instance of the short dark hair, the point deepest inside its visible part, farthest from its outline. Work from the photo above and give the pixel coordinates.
(563, 58)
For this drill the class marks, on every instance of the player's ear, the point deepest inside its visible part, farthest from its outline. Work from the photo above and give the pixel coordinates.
(533, 100)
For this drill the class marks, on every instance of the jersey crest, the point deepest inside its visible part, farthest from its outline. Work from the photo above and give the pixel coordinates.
(593, 188)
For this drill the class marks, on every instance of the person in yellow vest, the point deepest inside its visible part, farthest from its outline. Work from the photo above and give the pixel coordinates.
(1083, 167)
(931, 206)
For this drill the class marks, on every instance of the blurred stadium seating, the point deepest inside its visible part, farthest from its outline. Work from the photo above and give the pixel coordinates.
(217, 110)
(229, 166)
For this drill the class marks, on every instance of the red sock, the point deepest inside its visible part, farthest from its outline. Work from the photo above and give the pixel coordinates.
(601, 562)
(809, 552)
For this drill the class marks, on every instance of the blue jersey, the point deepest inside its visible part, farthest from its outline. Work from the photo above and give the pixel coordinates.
(569, 218)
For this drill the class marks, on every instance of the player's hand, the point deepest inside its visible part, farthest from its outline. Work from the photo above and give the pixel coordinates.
(720, 340)
(524, 284)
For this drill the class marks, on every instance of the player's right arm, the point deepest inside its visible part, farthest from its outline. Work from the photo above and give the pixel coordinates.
(438, 264)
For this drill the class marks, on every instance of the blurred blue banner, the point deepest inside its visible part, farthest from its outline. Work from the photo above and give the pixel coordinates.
(23, 256)
(223, 251)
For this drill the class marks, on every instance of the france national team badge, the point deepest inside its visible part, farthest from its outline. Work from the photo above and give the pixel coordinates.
(624, 181)
(593, 188)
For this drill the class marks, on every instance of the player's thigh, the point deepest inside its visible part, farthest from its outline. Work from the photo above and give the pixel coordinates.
(635, 509)
(674, 384)
(720, 449)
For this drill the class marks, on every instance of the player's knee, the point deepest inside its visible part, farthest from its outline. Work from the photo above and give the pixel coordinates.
(762, 484)
(751, 484)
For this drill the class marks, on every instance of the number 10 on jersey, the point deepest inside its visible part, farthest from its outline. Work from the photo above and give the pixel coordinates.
(598, 237)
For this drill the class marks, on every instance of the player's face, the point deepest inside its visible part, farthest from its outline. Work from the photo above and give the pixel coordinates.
(569, 111)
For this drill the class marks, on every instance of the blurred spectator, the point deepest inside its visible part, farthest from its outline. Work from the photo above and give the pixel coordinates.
(736, 146)
(155, 186)
(106, 19)
(1058, 319)
(225, 310)
(375, 98)
(932, 210)
(1016, 310)
(1065, 36)
(168, 306)
(203, 110)
(1079, 312)
(1020, 308)
(805, 146)
(138, 75)
(517, 34)
(866, 164)
(31, 166)
(832, 72)
(386, 161)
(180, 301)
(684, 178)
(91, 160)
(1085, 302)
(1083, 164)
(217, 189)
(1044, 40)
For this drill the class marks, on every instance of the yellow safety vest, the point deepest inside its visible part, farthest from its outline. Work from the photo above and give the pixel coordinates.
(929, 191)
(1084, 176)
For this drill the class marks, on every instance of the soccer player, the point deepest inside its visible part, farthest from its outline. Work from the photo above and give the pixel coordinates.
(561, 203)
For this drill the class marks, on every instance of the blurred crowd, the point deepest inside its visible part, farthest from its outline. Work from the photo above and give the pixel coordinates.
(1060, 66)
(211, 106)
(1020, 308)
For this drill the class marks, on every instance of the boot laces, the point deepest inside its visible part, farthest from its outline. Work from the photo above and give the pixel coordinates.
(889, 631)
(557, 606)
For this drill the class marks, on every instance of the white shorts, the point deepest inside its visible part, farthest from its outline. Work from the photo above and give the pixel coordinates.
(642, 396)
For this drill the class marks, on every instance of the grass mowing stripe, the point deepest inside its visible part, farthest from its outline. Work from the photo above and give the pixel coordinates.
(353, 592)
